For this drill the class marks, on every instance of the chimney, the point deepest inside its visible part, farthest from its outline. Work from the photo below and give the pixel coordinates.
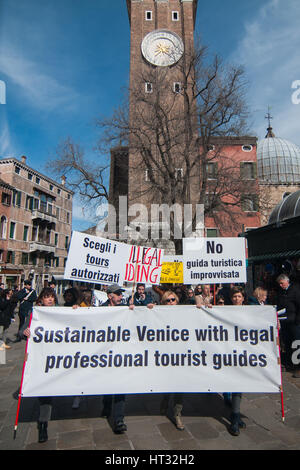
(23, 159)
(63, 180)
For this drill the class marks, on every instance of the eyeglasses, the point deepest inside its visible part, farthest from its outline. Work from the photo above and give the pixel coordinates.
(171, 300)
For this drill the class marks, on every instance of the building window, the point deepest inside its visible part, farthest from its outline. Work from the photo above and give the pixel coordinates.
(68, 217)
(177, 87)
(17, 170)
(55, 239)
(6, 199)
(148, 15)
(147, 175)
(51, 187)
(25, 233)
(33, 259)
(17, 196)
(250, 203)
(211, 170)
(34, 233)
(175, 16)
(37, 180)
(12, 230)
(66, 243)
(212, 203)
(25, 258)
(58, 191)
(3, 227)
(148, 87)
(247, 148)
(10, 258)
(212, 232)
(248, 170)
(30, 176)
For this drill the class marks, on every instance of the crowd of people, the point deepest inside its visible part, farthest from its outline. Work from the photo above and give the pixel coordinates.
(287, 299)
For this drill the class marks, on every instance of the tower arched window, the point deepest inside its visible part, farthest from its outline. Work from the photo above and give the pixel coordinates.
(3, 226)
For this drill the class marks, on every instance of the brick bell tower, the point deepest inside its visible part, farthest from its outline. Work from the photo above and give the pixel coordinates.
(162, 32)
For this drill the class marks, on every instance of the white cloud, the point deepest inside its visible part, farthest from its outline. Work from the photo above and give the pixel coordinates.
(6, 147)
(269, 50)
(42, 90)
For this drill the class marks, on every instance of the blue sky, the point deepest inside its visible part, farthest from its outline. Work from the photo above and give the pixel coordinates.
(65, 62)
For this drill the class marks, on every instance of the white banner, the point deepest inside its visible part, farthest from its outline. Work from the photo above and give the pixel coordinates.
(214, 260)
(112, 350)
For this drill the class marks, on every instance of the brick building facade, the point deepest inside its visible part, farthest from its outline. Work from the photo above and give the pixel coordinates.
(36, 215)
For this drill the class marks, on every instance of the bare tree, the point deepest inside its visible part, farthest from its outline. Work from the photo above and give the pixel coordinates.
(86, 178)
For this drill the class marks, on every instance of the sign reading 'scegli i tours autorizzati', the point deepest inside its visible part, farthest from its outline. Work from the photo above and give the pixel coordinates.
(102, 261)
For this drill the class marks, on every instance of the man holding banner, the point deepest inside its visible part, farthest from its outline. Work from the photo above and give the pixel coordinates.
(115, 298)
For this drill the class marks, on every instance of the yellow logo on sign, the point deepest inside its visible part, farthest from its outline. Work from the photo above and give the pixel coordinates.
(171, 273)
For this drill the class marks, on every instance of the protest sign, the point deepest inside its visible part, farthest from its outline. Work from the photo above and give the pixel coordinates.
(112, 350)
(171, 273)
(214, 260)
(96, 260)
(144, 265)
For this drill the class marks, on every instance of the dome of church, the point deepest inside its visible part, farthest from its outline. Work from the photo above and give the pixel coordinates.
(288, 208)
(278, 160)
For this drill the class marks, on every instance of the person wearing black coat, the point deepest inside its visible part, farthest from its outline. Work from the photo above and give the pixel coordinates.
(7, 307)
(289, 298)
(27, 296)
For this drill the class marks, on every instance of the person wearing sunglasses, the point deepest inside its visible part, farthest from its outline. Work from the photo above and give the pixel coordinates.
(170, 298)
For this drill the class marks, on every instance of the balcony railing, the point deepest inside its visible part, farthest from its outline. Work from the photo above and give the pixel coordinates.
(41, 246)
(43, 215)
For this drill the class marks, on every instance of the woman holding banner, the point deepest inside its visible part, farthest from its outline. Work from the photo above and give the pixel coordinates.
(170, 298)
(47, 298)
(237, 296)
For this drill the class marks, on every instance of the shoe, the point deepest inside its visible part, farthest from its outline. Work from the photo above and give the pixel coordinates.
(296, 374)
(43, 435)
(234, 427)
(120, 427)
(178, 423)
(76, 403)
(242, 424)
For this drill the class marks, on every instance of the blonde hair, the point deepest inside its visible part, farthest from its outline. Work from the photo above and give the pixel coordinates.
(258, 292)
(166, 295)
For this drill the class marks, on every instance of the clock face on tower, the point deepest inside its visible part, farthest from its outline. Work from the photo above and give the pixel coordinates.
(162, 48)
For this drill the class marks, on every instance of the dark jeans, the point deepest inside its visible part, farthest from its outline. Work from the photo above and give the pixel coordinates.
(118, 408)
(45, 409)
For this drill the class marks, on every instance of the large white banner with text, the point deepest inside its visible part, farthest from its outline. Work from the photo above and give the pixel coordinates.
(113, 350)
